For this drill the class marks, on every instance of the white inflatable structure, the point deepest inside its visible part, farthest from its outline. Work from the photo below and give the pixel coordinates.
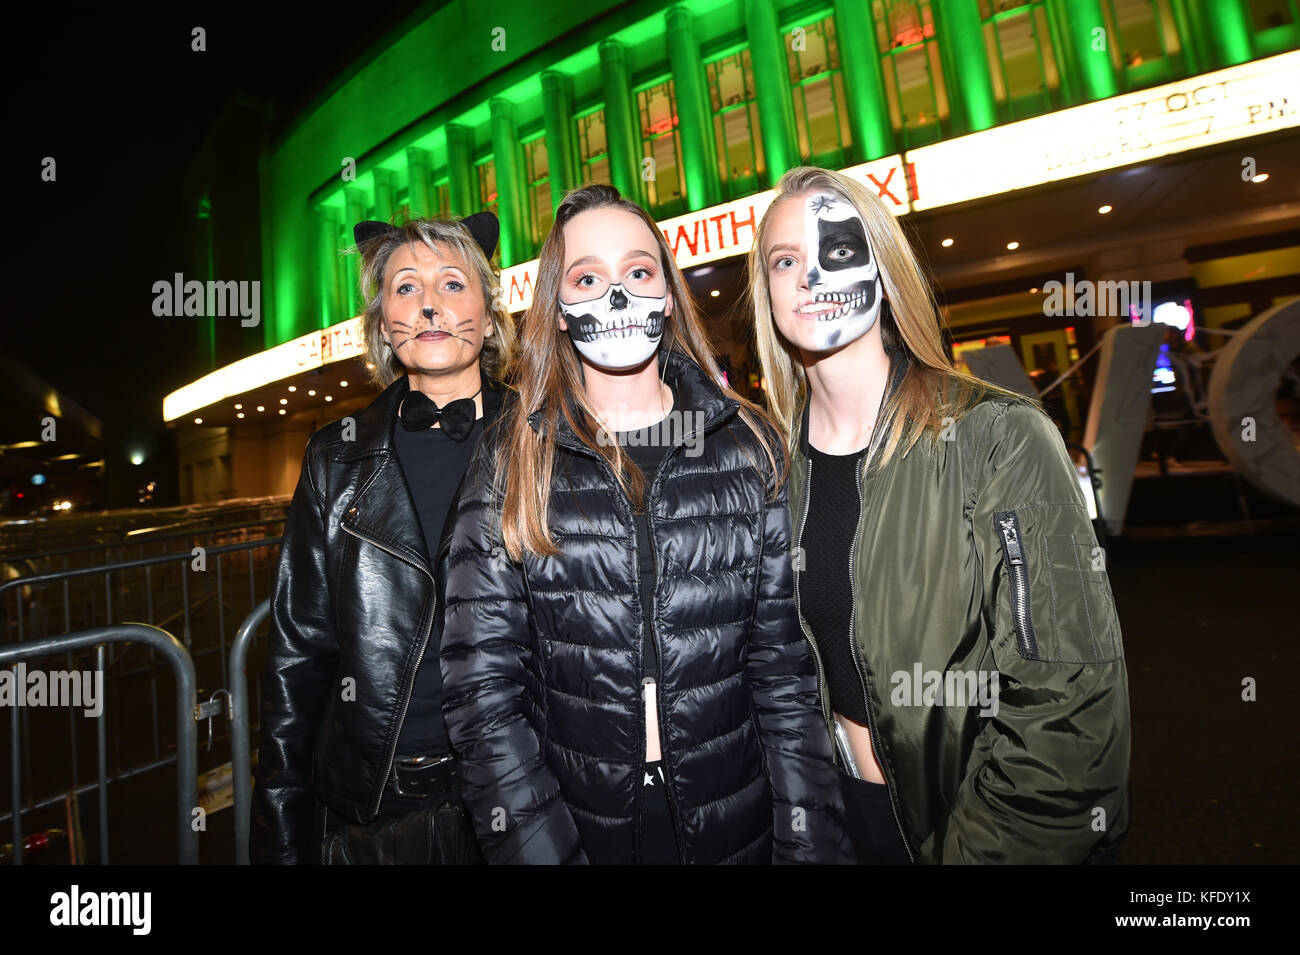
(1117, 416)
(1243, 401)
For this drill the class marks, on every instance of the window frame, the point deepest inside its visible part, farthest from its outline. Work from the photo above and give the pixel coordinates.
(736, 188)
(841, 155)
(673, 207)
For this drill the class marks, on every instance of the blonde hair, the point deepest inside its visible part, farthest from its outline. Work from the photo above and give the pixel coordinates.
(932, 389)
(457, 239)
(547, 373)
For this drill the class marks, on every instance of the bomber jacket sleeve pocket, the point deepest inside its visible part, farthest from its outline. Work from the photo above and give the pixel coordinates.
(490, 691)
(1048, 776)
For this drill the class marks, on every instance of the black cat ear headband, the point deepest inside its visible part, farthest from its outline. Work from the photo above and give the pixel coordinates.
(483, 226)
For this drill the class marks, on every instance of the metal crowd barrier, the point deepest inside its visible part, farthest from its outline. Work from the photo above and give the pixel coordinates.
(165, 591)
(191, 531)
(187, 797)
(240, 750)
(77, 535)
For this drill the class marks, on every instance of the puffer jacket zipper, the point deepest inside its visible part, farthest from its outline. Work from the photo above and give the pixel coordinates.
(1018, 570)
(579, 448)
(424, 644)
(659, 660)
(659, 655)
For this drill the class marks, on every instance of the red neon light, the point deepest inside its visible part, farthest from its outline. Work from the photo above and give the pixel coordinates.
(663, 125)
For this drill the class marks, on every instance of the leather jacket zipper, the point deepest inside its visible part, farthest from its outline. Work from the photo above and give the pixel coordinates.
(1018, 569)
(853, 649)
(823, 697)
(424, 645)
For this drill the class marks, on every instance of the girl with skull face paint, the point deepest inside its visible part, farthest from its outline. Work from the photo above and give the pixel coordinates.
(625, 677)
(942, 531)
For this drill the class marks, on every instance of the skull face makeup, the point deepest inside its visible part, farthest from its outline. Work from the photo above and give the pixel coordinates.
(843, 276)
(617, 330)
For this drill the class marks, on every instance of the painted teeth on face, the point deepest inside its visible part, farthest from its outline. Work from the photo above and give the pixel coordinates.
(618, 330)
(843, 276)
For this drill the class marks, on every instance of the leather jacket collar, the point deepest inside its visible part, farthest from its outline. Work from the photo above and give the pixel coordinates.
(382, 510)
(693, 390)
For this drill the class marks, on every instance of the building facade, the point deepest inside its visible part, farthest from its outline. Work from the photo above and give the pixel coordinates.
(1024, 142)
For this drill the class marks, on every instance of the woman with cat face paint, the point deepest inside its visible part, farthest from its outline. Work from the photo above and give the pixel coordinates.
(624, 674)
(974, 664)
(355, 764)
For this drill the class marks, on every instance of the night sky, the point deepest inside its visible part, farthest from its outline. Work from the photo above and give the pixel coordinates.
(122, 104)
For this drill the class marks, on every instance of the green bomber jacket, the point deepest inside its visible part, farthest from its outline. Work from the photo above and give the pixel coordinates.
(989, 647)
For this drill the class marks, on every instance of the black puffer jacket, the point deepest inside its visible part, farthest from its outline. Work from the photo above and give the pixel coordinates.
(542, 661)
(355, 597)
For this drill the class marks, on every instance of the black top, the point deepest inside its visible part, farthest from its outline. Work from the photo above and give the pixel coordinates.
(433, 464)
(647, 447)
(825, 589)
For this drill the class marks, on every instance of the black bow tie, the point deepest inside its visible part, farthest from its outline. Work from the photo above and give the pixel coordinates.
(456, 417)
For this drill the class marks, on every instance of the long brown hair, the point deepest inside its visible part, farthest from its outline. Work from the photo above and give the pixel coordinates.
(547, 372)
(932, 390)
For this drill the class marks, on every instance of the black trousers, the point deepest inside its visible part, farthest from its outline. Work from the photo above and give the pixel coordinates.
(658, 835)
(433, 830)
(870, 821)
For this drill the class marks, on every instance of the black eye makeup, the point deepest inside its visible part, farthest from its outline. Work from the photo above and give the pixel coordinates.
(843, 245)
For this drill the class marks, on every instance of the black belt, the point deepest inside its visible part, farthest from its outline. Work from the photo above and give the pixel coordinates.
(419, 776)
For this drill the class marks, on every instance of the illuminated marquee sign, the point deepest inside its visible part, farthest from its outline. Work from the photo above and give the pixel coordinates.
(304, 353)
(1241, 101)
(722, 231)
(1236, 103)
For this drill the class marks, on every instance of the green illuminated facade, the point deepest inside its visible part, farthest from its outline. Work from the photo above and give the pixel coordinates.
(508, 105)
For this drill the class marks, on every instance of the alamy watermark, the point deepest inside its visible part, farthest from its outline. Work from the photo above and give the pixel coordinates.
(1087, 299)
(132, 910)
(194, 299)
(946, 688)
(680, 427)
(75, 688)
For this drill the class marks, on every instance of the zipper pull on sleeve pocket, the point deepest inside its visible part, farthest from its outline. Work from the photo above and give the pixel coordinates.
(1014, 554)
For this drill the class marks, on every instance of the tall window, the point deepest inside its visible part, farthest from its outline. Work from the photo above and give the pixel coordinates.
(1144, 36)
(441, 199)
(487, 186)
(1277, 25)
(820, 108)
(537, 173)
(735, 123)
(1267, 14)
(912, 70)
(1021, 61)
(593, 150)
(661, 141)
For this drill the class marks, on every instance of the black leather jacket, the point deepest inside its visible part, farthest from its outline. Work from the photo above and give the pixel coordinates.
(354, 607)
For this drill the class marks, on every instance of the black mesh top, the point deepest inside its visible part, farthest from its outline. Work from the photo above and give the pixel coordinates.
(825, 590)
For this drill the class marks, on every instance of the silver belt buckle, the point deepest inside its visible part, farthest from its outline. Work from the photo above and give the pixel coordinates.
(416, 762)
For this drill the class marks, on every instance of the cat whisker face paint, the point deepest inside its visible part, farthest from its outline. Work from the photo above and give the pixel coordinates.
(617, 330)
(842, 274)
